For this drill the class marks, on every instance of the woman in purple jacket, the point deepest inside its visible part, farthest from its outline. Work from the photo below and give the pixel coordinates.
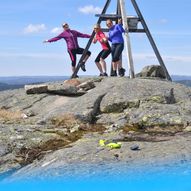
(70, 36)
(116, 38)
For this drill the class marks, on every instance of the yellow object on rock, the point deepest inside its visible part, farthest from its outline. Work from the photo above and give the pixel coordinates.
(110, 144)
(102, 143)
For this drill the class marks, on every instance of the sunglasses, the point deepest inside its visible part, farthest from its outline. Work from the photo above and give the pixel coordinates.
(66, 25)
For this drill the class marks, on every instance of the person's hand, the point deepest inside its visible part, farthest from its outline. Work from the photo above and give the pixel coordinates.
(94, 40)
(126, 31)
(120, 21)
(104, 40)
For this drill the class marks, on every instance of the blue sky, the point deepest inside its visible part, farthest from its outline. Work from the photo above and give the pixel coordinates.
(24, 24)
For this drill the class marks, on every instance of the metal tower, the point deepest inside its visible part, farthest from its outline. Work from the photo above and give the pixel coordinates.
(130, 25)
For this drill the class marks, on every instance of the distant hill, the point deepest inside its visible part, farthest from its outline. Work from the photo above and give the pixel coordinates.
(15, 82)
(180, 78)
(4, 86)
(185, 82)
(19, 82)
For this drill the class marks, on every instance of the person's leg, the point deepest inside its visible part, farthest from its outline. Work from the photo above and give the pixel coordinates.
(104, 55)
(114, 65)
(103, 65)
(80, 51)
(99, 67)
(87, 56)
(72, 54)
(116, 58)
(121, 70)
(119, 51)
(120, 64)
(84, 61)
(97, 61)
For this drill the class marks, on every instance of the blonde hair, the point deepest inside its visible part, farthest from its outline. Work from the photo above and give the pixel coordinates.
(97, 26)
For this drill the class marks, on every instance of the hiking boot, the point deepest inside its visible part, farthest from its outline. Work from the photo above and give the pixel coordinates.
(76, 76)
(103, 74)
(83, 67)
(121, 72)
(113, 73)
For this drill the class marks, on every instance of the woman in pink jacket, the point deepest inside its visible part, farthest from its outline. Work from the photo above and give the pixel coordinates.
(71, 38)
(106, 50)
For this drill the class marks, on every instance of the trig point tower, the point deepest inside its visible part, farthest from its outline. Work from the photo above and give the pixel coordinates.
(130, 24)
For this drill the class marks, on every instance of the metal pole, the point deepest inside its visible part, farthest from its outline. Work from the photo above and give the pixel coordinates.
(127, 39)
(151, 39)
(118, 12)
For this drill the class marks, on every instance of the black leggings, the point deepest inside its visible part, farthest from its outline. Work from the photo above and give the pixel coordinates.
(75, 51)
(103, 54)
(116, 51)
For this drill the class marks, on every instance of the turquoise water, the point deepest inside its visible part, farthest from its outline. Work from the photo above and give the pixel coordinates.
(146, 179)
(153, 183)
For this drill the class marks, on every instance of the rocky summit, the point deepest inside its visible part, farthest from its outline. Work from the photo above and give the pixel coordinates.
(56, 124)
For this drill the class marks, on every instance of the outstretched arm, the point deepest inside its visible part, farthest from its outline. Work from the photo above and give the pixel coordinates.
(83, 35)
(54, 39)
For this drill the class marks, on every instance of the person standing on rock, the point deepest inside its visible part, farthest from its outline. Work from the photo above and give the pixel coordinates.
(106, 50)
(116, 38)
(71, 38)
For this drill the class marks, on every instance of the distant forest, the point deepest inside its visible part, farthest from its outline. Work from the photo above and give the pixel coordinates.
(4, 86)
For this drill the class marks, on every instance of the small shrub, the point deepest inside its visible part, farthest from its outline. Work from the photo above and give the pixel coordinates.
(7, 115)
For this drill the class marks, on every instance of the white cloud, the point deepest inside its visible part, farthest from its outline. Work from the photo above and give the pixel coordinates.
(56, 30)
(90, 9)
(163, 21)
(31, 28)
